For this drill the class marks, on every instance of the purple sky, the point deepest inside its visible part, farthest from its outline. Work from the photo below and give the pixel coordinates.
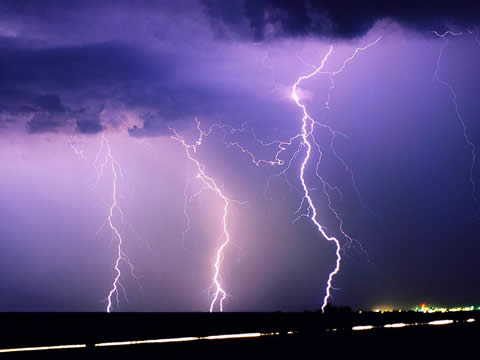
(127, 71)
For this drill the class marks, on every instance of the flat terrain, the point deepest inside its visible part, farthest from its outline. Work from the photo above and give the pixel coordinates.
(295, 335)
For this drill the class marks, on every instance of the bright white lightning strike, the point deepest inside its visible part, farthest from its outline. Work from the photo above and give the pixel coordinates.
(307, 129)
(220, 293)
(327, 187)
(307, 132)
(109, 159)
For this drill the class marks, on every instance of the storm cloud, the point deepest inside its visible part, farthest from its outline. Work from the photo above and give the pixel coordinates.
(165, 63)
(344, 19)
(62, 87)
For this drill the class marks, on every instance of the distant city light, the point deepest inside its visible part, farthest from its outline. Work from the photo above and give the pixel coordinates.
(425, 308)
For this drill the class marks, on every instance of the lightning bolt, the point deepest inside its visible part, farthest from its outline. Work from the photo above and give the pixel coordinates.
(468, 141)
(307, 129)
(220, 293)
(333, 133)
(332, 74)
(120, 254)
(282, 145)
(308, 124)
(327, 187)
(188, 200)
(80, 152)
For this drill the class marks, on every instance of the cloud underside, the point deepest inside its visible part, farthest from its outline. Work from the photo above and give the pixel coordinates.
(59, 78)
(343, 19)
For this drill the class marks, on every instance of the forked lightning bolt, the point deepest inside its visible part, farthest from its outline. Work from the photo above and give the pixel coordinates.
(306, 135)
(80, 152)
(308, 144)
(120, 255)
(307, 129)
(188, 200)
(308, 125)
(468, 141)
(220, 293)
(332, 74)
(334, 133)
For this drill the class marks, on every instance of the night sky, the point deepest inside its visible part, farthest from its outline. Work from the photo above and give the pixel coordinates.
(396, 154)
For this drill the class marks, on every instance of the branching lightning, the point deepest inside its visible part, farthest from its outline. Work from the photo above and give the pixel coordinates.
(220, 293)
(307, 142)
(334, 133)
(307, 129)
(307, 145)
(308, 125)
(307, 139)
(468, 141)
(116, 169)
(332, 74)
(188, 199)
(77, 151)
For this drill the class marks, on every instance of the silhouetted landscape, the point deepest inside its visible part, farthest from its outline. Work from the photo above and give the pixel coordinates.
(286, 334)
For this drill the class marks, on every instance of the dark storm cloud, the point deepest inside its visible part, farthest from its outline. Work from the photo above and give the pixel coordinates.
(160, 86)
(153, 125)
(177, 106)
(45, 122)
(48, 114)
(81, 66)
(154, 60)
(59, 22)
(5, 119)
(89, 126)
(142, 56)
(50, 103)
(79, 74)
(338, 18)
(88, 120)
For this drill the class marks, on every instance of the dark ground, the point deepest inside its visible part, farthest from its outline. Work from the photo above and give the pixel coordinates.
(312, 338)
